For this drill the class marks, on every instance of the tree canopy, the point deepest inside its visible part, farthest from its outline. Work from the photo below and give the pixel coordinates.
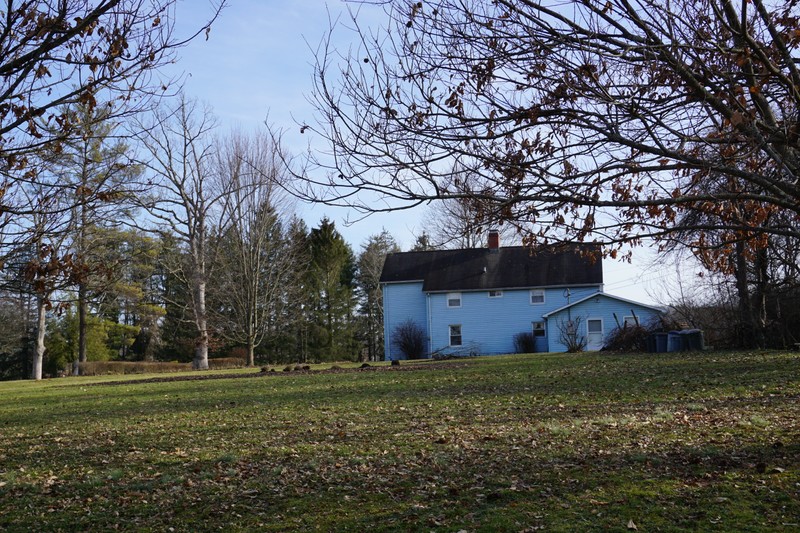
(56, 55)
(582, 120)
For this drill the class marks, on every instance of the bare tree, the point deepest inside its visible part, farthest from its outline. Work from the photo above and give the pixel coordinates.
(187, 198)
(576, 120)
(462, 222)
(100, 55)
(257, 261)
(55, 54)
(452, 225)
(46, 267)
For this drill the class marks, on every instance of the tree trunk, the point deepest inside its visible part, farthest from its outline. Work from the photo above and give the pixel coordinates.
(251, 359)
(760, 298)
(252, 327)
(200, 361)
(41, 324)
(303, 331)
(746, 318)
(152, 337)
(201, 348)
(81, 240)
(82, 323)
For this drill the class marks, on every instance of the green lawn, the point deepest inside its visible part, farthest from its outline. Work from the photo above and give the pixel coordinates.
(706, 442)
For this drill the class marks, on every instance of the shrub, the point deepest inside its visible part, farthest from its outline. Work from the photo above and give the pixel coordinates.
(238, 352)
(525, 342)
(219, 363)
(570, 337)
(628, 339)
(98, 368)
(409, 338)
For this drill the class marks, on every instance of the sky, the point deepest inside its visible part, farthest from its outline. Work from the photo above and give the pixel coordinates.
(257, 66)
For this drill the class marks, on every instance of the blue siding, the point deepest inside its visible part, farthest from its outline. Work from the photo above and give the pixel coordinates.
(488, 325)
(602, 307)
(402, 301)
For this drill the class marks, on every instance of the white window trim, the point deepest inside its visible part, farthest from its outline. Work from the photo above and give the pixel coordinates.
(452, 296)
(536, 291)
(450, 335)
(543, 330)
(499, 294)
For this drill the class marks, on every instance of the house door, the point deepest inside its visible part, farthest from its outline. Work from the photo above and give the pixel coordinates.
(594, 337)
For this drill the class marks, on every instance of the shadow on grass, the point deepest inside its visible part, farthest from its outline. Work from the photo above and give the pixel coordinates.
(707, 487)
(538, 382)
(558, 442)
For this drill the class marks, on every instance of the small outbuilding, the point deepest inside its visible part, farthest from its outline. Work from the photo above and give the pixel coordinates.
(593, 317)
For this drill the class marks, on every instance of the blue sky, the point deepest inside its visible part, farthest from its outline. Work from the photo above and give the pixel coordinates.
(257, 63)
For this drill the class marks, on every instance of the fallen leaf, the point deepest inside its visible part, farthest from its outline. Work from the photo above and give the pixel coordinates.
(632, 526)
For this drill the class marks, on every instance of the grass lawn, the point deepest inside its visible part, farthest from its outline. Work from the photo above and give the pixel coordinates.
(553, 442)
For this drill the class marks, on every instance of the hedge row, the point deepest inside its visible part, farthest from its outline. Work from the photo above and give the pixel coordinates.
(97, 368)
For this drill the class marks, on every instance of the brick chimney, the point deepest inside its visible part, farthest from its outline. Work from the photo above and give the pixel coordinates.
(494, 239)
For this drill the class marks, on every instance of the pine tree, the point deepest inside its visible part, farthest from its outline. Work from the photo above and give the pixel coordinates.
(370, 265)
(95, 169)
(332, 278)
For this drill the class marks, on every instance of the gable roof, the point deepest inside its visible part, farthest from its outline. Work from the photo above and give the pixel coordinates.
(604, 295)
(500, 268)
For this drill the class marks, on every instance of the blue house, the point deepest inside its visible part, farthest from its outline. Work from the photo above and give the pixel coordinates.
(474, 301)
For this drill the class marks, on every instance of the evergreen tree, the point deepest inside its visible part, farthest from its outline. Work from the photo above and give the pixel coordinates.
(370, 266)
(292, 327)
(332, 279)
(95, 170)
(177, 331)
(63, 341)
(128, 298)
(17, 314)
(422, 243)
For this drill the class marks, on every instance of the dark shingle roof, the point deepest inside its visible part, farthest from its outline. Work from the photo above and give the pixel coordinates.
(501, 268)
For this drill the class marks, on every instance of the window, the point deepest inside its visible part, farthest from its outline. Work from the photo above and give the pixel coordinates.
(455, 335)
(594, 325)
(538, 329)
(495, 294)
(630, 322)
(537, 296)
(453, 299)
